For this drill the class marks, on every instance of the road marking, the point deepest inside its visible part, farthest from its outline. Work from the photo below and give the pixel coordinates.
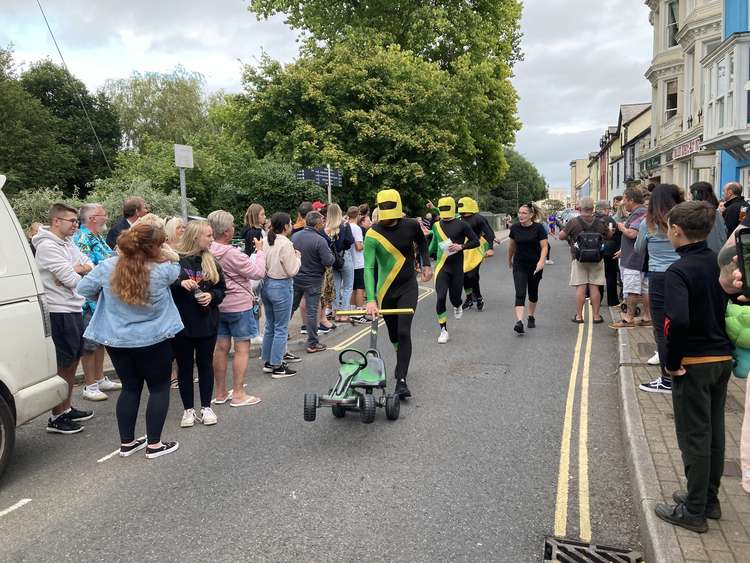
(563, 475)
(352, 339)
(114, 453)
(16, 506)
(584, 513)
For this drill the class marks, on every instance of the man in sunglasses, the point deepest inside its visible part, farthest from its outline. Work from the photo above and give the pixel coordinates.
(62, 265)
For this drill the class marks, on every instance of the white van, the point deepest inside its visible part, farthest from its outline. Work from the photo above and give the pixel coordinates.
(29, 385)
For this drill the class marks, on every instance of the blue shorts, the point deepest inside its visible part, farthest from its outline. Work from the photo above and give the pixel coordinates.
(240, 326)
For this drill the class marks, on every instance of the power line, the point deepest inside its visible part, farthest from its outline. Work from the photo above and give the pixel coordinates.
(75, 90)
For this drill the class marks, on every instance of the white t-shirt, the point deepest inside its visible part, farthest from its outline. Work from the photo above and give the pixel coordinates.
(358, 256)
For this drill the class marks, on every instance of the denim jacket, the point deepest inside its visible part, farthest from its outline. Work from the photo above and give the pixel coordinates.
(122, 325)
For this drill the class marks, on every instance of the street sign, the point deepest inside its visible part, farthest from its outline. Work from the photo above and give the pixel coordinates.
(183, 156)
(320, 176)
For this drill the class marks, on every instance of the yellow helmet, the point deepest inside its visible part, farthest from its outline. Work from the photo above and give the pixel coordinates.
(447, 207)
(467, 205)
(389, 205)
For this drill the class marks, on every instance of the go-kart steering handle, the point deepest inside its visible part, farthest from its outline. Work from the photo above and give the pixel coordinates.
(381, 312)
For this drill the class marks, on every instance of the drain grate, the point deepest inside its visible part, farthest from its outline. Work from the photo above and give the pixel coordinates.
(572, 551)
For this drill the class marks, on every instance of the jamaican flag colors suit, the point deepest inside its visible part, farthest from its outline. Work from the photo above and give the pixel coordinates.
(390, 248)
(450, 237)
(473, 259)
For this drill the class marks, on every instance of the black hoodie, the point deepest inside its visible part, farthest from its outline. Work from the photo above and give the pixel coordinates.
(199, 321)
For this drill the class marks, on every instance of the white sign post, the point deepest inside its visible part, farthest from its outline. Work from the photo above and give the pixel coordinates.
(183, 158)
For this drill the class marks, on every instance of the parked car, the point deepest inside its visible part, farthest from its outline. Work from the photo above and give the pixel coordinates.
(29, 385)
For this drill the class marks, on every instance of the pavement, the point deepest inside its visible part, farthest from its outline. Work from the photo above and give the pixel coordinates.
(508, 440)
(656, 465)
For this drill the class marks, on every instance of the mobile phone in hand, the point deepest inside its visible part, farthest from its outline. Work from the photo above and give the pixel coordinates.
(742, 242)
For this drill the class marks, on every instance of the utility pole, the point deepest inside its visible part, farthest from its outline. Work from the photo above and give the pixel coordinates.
(329, 183)
(518, 202)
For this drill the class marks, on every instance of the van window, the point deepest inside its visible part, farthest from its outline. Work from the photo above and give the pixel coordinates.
(13, 255)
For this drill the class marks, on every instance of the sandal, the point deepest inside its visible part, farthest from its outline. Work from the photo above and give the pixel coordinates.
(598, 321)
(622, 324)
(577, 320)
(250, 401)
(222, 401)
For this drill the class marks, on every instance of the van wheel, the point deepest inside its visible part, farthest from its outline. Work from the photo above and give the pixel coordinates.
(7, 434)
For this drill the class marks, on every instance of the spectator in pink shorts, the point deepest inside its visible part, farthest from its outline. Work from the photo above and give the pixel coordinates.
(236, 311)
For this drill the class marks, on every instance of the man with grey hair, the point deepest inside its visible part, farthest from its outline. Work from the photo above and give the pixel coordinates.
(316, 257)
(587, 275)
(89, 239)
(733, 205)
(132, 209)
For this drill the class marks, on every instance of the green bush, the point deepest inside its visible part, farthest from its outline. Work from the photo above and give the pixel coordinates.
(33, 205)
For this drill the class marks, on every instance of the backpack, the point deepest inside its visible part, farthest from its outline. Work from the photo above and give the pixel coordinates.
(588, 245)
(338, 256)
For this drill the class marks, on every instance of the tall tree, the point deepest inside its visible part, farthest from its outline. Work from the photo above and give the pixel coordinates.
(522, 183)
(32, 149)
(160, 106)
(62, 94)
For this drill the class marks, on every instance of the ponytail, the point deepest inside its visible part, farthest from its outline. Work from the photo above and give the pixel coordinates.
(279, 221)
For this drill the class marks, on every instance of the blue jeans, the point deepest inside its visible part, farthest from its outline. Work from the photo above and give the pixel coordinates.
(343, 282)
(277, 302)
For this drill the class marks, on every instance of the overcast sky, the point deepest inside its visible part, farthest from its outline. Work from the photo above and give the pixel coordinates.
(583, 58)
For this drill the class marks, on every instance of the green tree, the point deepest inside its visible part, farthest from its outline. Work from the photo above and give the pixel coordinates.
(62, 94)
(159, 106)
(522, 183)
(553, 205)
(384, 116)
(32, 148)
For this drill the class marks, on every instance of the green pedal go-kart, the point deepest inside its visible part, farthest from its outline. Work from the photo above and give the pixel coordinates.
(361, 376)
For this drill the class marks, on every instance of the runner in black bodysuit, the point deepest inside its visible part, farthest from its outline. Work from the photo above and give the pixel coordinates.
(389, 251)
(450, 237)
(469, 211)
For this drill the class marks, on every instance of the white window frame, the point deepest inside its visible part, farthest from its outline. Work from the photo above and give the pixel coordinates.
(689, 89)
(667, 110)
(671, 28)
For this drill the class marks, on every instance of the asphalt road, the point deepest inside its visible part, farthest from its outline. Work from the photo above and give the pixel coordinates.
(468, 473)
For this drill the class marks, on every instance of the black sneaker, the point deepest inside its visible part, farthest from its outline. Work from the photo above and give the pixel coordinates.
(126, 451)
(402, 390)
(679, 515)
(267, 368)
(532, 322)
(468, 302)
(63, 425)
(290, 358)
(77, 415)
(323, 329)
(519, 327)
(480, 304)
(166, 448)
(303, 329)
(713, 510)
(283, 371)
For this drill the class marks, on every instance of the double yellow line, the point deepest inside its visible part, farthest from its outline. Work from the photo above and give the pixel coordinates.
(427, 291)
(561, 508)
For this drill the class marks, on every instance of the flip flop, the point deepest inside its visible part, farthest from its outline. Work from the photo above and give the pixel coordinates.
(598, 321)
(577, 321)
(250, 401)
(222, 401)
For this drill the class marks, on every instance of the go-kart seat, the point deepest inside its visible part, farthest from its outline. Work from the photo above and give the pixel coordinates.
(373, 375)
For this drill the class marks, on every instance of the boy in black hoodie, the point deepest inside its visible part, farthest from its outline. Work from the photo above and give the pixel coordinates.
(700, 362)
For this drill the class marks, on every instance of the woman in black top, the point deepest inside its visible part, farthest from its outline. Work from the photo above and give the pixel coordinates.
(527, 253)
(255, 219)
(197, 294)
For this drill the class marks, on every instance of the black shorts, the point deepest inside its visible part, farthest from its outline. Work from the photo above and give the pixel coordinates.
(67, 334)
(359, 279)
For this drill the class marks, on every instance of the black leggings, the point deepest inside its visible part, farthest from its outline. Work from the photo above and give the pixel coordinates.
(523, 278)
(399, 326)
(195, 351)
(152, 364)
(449, 282)
(471, 283)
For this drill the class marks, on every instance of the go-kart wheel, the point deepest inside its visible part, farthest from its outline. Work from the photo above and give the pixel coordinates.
(311, 406)
(338, 411)
(367, 408)
(392, 407)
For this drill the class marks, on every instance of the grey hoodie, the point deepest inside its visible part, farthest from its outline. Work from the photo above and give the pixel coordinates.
(56, 258)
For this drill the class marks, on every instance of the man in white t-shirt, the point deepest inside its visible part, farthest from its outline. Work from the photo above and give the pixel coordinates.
(358, 258)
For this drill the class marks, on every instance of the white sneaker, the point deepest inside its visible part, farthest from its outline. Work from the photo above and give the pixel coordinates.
(188, 418)
(458, 312)
(549, 262)
(256, 340)
(107, 384)
(93, 393)
(444, 336)
(209, 416)
(654, 360)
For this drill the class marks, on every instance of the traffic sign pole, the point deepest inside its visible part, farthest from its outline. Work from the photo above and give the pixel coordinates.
(183, 195)
(329, 184)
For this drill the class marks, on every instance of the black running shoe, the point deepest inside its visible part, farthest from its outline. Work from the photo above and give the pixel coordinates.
(468, 302)
(77, 415)
(480, 304)
(63, 425)
(519, 327)
(166, 448)
(402, 390)
(283, 371)
(532, 322)
(137, 446)
(267, 368)
(290, 358)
